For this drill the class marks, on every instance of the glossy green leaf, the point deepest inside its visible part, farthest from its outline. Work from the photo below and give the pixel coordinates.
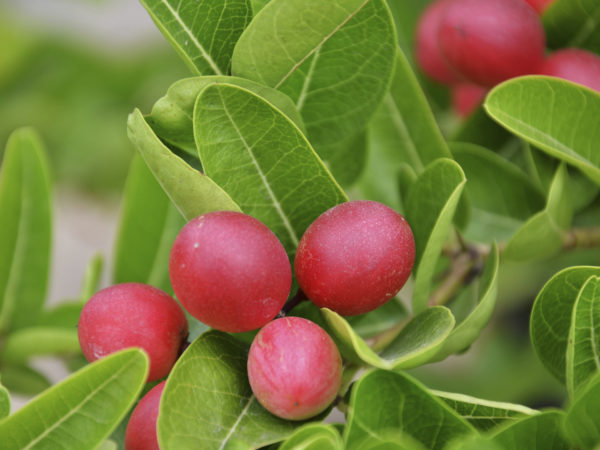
(23, 344)
(573, 24)
(203, 32)
(469, 329)
(551, 316)
(389, 440)
(192, 192)
(207, 401)
(25, 221)
(480, 129)
(91, 278)
(314, 436)
(23, 380)
(430, 208)
(4, 402)
(108, 445)
(318, 55)
(473, 442)
(346, 158)
(541, 236)
(555, 115)
(148, 227)
(583, 348)
(538, 432)
(257, 5)
(419, 340)
(171, 116)
(81, 411)
(63, 315)
(483, 414)
(378, 320)
(582, 422)
(384, 400)
(278, 179)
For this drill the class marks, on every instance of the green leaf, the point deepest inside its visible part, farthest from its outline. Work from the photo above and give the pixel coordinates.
(318, 54)
(4, 402)
(192, 192)
(108, 445)
(91, 279)
(148, 227)
(582, 422)
(81, 411)
(278, 179)
(346, 158)
(430, 208)
(480, 129)
(380, 319)
(390, 440)
(23, 380)
(573, 24)
(23, 344)
(384, 400)
(483, 414)
(541, 236)
(207, 401)
(541, 431)
(25, 221)
(551, 316)
(473, 442)
(314, 436)
(583, 354)
(63, 315)
(468, 330)
(417, 343)
(203, 32)
(172, 115)
(557, 116)
(257, 5)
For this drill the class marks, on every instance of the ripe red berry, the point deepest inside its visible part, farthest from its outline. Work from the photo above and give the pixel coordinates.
(355, 257)
(489, 41)
(427, 50)
(133, 315)
(540, 5)
(141, 428)
(466, 98)
(576, 65)
(230, 271)
(294, 368)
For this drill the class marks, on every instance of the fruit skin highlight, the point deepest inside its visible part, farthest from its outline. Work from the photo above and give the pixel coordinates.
(489, 41)
(230, 271)
(294, 368)
(141, 428)
(576, 65)
(133, 315)
(355, 257)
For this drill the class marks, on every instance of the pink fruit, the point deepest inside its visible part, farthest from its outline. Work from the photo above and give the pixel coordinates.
(540, 5)
(133, 315)
(489, 41)
(355, 257)
(576, 65)
(466, 98)
(230, 271)
(294, 368)
(141, 428)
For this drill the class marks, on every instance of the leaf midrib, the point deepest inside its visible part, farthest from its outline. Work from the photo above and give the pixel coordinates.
(236, 423)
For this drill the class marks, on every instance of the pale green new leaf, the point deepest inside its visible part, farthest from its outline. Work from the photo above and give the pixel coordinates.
(208, 403)
(4, 402)
(383, 400)
(314, 436)
(148, 226)
(25, 221)
(582, 423)
(81, 411)
(537, 432)
(430, 207)
(192, 192)
(203, 32)
(263, 161)
(26, 343)
(571, 23)
(583, 349)
(551, 316)
(557, 116)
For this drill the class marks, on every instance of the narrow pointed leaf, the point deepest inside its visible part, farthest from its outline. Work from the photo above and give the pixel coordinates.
(81, 411)
(383, 400)
(63, 315)
(430, 207)
(538, 432)
(192, 192)
(203, 32)
(208, 403)
(149, 225)
(23, 344)
(551, 316)
(4, 402)
(557, 116)
(278, 178)
(582, 423)
(91, 279)
(23, 380)
(25, 221)
(314, 436)
(573, 24)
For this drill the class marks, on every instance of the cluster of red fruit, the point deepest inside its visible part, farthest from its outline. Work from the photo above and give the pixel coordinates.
(230, 271)
(472, 45)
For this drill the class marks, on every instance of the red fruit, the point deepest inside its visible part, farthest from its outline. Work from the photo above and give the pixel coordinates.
(466, 98)
(294, 368)
(355, 257)
(573, 64)
(230, 271)
(133, 315)
(141, 428)
(489, 41)
(427, 49)
(540, 5)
